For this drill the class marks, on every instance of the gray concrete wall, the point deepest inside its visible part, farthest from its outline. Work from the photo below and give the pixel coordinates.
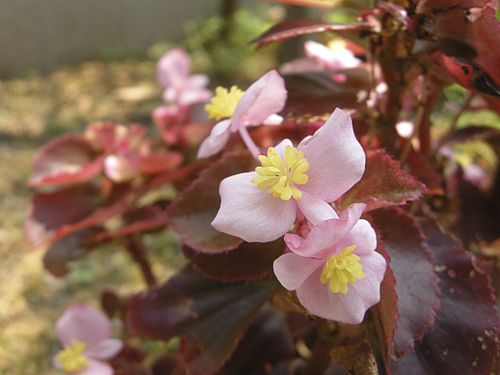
(38, 35)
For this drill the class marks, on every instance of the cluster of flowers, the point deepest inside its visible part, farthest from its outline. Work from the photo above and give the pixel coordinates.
(332, 264)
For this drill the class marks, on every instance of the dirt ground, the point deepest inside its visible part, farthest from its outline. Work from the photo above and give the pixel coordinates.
(33, 110)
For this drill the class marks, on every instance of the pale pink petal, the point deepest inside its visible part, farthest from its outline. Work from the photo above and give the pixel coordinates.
(292, 270)
(170, 95)
(363, 236)
(351, 307)
(167, 115)
(405, 129)
(252, 214)
(173, 67)
(83, 323)
(197, 81)
(216, 140)
(323, 238)
(336, 159)
(273, 120)
(96, 368)
(105, 349)
(315, 209)
(339, 59)
(191, 96)
(280, 147)
(264, 97)
(121, 167)
(319, 52)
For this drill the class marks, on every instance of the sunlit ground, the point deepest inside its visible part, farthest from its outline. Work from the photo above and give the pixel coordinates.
(33, 110)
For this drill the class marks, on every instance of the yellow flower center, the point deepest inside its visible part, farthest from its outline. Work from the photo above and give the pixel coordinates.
(342, 269)
(337, 45)
(72, 358)
(279, 176)
(223, 103)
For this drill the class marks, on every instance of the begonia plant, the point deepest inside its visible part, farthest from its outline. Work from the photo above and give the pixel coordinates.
(348, 234)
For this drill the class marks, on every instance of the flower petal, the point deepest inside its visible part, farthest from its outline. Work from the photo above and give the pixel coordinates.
(216, 140)
(292, 270)
(252, 214)
(197, 81)
(105, 349)
(173, 67)
(315, 209)
(336, 159)
(96, 368)
(323, 238)
(339, 59)
(347, 308)
(263, 98)
(122, 166)
(273, 120)
(83, 323)
(363, 236)
(191, 96)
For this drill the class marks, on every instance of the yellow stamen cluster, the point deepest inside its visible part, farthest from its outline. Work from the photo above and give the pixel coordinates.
(72, 358)
(337, 45)
(342, 269)
(223, 103)
(279, 176)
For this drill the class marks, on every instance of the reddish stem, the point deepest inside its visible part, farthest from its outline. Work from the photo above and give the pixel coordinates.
(138, 252)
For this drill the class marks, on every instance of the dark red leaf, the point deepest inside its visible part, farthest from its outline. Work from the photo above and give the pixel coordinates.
(191, 214)
(422, 169)
(387, 310)
(58, 256)
(65, 160)
(416, 283)
(159, 163)
(470, 133)
(464, 338)
(453, 22)
(293, 28)
(50, 211)
(384, 183)
(250, 261)
(317, 93)
(212, 316)
(55, 215)
(266, 344)
(129, 362)
(479, 212)
(165, 365)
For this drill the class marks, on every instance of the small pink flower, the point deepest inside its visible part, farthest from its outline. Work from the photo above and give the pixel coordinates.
(335, 56)
(335, 269)
(85, 334)
(122, 166)
(122, 145)
(258, 105)
(181, 88)
(261, 206)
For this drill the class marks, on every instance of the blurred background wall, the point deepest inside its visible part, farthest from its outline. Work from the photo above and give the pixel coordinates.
(39, 35)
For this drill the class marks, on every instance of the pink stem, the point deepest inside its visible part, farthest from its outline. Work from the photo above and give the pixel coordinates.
(252, 147)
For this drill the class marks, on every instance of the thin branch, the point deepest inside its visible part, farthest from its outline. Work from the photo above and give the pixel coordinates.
(135, 247)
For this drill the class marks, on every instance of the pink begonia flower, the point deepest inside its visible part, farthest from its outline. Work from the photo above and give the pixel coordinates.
(334, 56)
(261, 206)
(122, 145)
(85, 335)
(121, 167)
(258, 105)
(181, 88)
(335, 269)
